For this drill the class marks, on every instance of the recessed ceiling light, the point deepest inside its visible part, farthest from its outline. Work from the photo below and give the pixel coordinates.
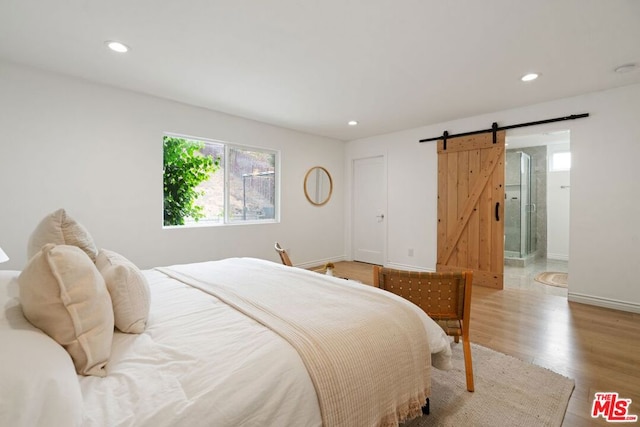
(352, 122)
(117, 46)
(626, 68)
(529, 77)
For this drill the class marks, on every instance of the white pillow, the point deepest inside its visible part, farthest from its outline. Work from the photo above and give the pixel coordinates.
(39, 384)
(63, 294)
(60, 229)
(129, 291)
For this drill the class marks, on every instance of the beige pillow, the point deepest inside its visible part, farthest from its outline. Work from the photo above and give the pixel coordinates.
(129, 291)
(60, 229)
(63, 294)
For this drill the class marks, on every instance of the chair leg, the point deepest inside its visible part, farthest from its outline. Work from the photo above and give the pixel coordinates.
(468, 365)
(456, 339)
(426, 409)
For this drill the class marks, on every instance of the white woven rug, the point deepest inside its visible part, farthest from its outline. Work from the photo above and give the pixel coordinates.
(553, 278)
(508, 392)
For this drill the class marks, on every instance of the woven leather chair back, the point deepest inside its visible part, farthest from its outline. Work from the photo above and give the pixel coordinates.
(440, 295)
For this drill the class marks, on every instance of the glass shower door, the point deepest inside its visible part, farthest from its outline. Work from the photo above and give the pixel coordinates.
(519, 210)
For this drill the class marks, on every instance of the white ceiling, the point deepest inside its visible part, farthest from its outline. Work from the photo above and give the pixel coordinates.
(314, 65)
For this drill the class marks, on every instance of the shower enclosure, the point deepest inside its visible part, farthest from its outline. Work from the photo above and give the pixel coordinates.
(520, 207)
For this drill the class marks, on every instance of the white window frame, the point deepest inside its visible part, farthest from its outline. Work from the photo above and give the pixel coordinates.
(226, 221)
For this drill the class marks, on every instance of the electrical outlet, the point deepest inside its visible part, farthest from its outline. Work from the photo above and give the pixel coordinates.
(411, 252)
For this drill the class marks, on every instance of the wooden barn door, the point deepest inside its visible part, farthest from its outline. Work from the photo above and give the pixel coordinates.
(471, 207)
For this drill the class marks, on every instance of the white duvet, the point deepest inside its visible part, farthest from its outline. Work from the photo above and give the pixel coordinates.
(202, 363)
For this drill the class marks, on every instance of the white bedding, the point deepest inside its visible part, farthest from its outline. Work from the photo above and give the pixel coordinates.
(201, 362)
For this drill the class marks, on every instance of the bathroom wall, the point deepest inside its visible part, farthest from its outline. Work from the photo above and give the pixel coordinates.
(513, 220)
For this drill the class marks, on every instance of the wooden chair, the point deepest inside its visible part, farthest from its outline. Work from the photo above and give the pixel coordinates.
(284, 257)
(445, 297)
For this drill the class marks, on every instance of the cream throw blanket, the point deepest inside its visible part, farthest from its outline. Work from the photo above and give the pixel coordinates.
(367, 355)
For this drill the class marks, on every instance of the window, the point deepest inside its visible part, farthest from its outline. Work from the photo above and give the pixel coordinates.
(560, 161)
(214, 183)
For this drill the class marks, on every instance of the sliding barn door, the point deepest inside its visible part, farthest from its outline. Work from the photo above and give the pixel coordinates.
(471, 206)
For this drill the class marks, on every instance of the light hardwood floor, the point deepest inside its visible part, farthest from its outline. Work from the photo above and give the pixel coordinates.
(599, 348)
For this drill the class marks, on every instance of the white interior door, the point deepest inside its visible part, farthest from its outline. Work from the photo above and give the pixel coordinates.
(369, 209)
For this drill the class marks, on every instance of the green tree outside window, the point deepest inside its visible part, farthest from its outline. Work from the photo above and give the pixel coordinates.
(185, 167)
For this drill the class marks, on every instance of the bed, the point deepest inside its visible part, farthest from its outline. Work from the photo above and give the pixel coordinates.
(199, 361)
(89, 339)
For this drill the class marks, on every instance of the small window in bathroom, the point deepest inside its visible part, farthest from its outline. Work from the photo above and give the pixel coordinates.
(560, 161)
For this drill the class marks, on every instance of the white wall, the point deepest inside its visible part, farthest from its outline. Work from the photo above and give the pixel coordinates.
(97, 152)
(558, 207)
(605, 184)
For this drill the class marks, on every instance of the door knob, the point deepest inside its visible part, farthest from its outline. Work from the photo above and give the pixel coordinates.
(381, 216)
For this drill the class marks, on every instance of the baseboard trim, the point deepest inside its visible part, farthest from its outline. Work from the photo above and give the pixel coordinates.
(604, 302)
(559, 257)
(321, 262)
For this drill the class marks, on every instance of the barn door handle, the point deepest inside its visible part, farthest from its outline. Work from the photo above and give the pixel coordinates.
(497, 211)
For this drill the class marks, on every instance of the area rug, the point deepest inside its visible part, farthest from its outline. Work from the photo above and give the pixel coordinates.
(552, 278)
(508, 392)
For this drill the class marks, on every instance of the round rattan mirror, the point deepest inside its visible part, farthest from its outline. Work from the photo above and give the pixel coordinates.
(318, 185)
